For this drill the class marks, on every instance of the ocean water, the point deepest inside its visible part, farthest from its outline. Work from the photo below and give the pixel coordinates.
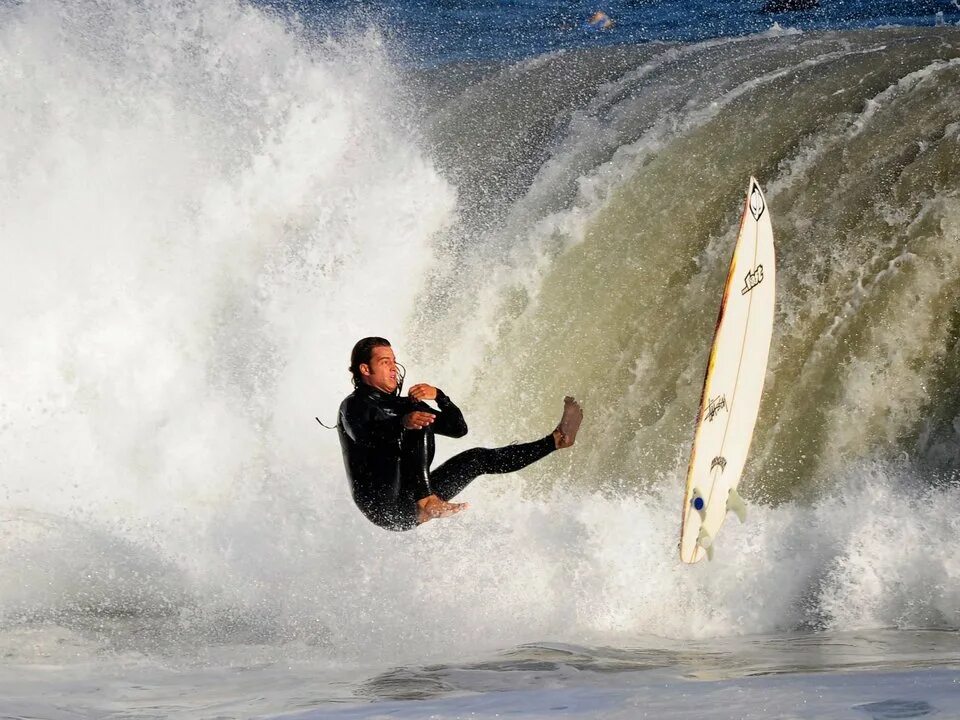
(204, 204)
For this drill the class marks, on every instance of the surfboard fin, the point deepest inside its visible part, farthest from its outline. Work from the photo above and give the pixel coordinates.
(736, 505)
(705, 540)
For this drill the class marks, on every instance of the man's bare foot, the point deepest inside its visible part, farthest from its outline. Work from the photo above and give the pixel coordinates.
(432, 507)
(566, 433)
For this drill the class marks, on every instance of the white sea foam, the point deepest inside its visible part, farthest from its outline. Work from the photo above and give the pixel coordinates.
(592, 569)
(201, 211)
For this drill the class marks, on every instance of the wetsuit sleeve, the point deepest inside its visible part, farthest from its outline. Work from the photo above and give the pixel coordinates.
(369, 424)
(449, 420)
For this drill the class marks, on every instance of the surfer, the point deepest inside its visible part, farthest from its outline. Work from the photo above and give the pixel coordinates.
(388, 443)
(598, 21)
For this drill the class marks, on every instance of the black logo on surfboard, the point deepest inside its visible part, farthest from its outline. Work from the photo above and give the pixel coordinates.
(718, 462)
(716, 405)
(757, 206)
(752, 279)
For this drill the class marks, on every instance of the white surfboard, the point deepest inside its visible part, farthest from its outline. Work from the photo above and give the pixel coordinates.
(733, 384)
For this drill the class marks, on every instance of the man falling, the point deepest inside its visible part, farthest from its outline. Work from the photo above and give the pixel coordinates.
(388, 444)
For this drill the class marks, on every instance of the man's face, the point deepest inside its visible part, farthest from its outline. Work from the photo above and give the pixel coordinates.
(382, 370)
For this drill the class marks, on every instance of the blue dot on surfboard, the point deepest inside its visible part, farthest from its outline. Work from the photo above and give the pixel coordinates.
(698, 503)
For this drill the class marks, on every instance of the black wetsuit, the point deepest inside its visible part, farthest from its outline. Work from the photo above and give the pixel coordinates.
(389, 466)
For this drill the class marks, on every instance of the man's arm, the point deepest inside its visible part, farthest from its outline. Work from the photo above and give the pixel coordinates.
(449, 421)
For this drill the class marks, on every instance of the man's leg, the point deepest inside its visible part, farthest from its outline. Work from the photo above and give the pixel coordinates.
(459, 471)
(416, 453)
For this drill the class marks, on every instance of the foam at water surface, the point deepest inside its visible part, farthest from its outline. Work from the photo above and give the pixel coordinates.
(202, 208)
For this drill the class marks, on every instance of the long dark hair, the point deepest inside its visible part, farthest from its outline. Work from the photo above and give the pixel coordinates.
(362, 353)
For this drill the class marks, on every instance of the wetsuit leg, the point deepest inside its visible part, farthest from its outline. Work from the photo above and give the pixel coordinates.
(387, 503)
(417, 448)
(392, 502)
(460, 470)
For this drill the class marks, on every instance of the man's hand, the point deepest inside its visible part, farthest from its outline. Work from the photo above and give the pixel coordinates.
(423, 392)
(418, 420)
